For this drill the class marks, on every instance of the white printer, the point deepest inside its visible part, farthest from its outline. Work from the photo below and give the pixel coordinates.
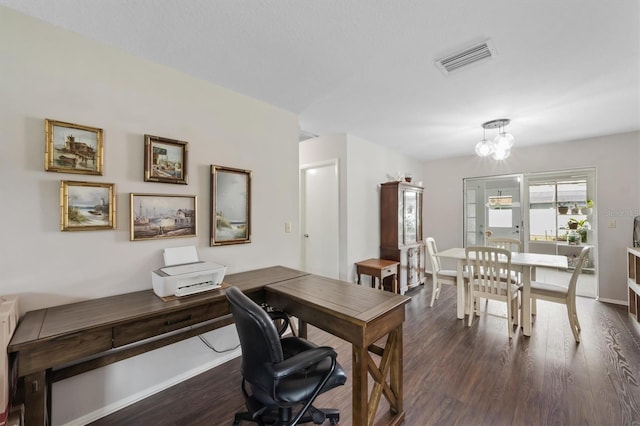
(184, 274)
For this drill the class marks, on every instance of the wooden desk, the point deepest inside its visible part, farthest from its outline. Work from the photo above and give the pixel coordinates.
(361, 316)
(525, 263)
(114, 328)
(64, 335)
(379, 268)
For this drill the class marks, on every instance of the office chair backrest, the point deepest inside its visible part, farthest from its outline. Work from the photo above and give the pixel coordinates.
(259, 340)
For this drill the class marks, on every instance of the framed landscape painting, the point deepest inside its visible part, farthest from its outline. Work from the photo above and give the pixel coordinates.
(165, 160)
(73, 148)
(87, 206)
(230, 206)
(159, 216)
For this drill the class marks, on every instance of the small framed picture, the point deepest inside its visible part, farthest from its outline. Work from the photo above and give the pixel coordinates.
(230, 206)
(87, 206)
(165, 160)
(159, 216)
(73, 148)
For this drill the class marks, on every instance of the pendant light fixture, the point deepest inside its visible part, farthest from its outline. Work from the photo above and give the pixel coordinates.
(500, 147)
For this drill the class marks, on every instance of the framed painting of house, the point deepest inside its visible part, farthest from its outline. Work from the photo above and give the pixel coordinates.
(165, 160)
(159, 216)
(87, 206)
(73, 148)
(230, 206)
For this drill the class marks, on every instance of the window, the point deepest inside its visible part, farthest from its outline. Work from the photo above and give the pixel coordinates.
(547, 222)
(500, 212)
(542, 212)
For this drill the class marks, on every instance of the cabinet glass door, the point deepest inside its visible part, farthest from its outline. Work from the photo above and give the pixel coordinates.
(410, 217)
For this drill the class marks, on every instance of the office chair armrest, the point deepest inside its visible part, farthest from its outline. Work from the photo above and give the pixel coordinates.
(301, 361)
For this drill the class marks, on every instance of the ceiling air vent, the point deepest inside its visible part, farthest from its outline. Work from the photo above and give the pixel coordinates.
(472, 55)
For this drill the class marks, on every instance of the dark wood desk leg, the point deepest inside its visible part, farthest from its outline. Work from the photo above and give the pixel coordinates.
(302, 328)
(358, 273)
(35, 399)
(396, 372)
(360, 393)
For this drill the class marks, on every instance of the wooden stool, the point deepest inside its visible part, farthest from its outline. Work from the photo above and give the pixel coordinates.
(379, 268)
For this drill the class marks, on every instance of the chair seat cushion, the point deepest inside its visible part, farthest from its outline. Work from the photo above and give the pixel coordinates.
(452, 275)
(299, 386)
(514, 277)
(514, 287)
(546, 289)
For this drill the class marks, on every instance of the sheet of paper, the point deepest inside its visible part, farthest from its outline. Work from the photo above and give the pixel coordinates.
(179, 255)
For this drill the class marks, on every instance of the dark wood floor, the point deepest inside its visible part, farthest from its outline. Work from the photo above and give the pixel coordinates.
(456, 375)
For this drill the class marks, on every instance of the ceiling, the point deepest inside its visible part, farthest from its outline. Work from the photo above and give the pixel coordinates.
(563, 70)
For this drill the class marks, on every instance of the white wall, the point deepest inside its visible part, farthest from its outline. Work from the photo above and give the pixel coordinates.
(618, 176)
(46, 72)
(363, 166)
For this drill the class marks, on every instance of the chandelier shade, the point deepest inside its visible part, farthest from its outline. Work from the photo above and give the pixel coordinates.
(500, 147)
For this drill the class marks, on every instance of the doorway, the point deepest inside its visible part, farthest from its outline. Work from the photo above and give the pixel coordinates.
(492, 207)
(319, 198)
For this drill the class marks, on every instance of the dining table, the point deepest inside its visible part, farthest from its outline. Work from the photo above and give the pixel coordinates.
(524, 263)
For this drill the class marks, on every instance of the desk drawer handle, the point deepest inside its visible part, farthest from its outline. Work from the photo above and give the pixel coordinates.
(170, 322)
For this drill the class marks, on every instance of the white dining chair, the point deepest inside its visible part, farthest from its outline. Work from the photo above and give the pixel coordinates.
(440, 276)
(513, 245)
(560, 294)
(486, 266)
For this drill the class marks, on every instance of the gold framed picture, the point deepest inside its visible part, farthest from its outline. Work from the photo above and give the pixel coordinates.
(165, 160)
(159, 216)
(230, 206)
(73, 148)
(87, 206)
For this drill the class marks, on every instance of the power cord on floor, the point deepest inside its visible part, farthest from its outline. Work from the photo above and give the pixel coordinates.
(210, 346)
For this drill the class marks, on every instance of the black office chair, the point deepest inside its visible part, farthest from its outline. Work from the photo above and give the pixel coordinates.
(282, 373)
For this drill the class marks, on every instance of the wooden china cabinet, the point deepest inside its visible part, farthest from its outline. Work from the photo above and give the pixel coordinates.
(401, 231)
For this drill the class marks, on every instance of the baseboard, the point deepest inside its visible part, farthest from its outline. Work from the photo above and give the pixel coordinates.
(118, 405)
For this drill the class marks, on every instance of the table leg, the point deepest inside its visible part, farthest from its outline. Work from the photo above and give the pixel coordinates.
(358, 274)
(526, 301)
(390, 366)
(360, 386)
(302, 328)
(460, 291)
(35, 399)
(396, 373)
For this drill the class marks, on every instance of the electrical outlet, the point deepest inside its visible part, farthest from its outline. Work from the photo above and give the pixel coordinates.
(287, 227)
(612, 223)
